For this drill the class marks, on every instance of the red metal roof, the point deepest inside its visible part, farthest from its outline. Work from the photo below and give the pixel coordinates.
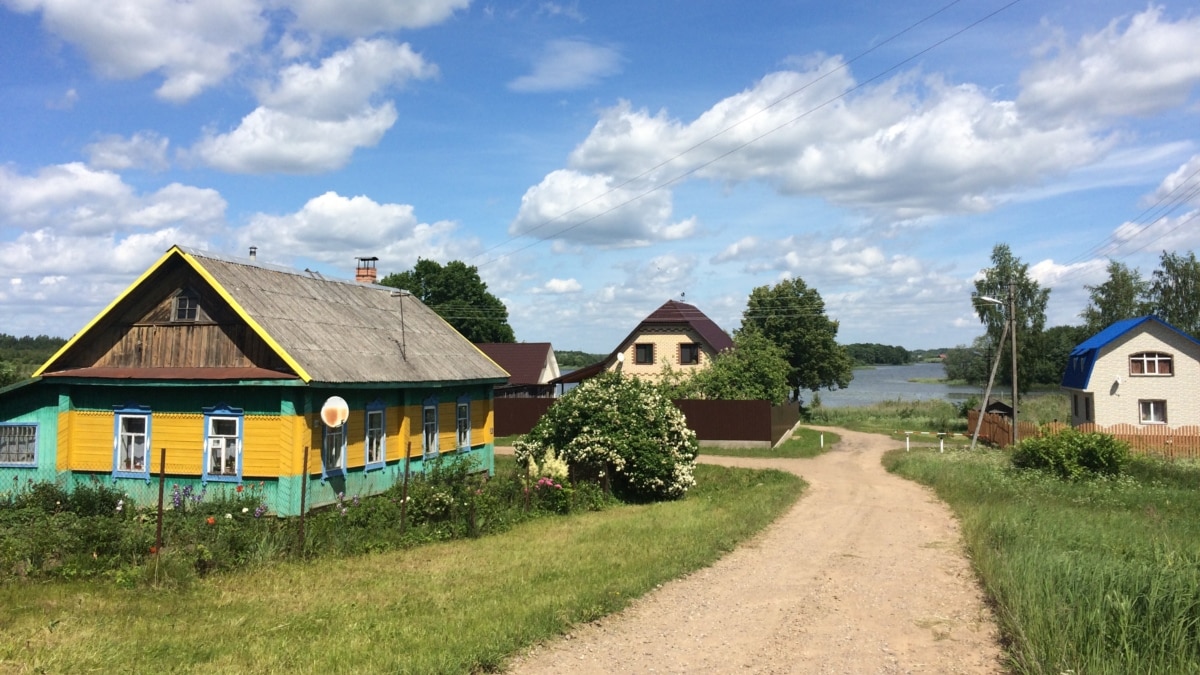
(681, 312)
(524, 361)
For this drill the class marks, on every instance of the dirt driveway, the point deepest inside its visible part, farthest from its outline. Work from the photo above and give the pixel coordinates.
(865, 574)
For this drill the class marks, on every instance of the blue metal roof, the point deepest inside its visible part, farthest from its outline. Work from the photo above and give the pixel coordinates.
(1083, 357)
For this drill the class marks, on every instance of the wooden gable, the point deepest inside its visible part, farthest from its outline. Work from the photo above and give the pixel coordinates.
(171, 318)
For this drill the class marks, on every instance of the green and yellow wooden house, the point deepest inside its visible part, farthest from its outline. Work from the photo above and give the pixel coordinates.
(224, 363)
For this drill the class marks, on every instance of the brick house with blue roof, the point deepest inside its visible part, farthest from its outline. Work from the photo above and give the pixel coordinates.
(1140, 371)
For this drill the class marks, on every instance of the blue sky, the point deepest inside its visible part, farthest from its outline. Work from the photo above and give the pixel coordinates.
(596, 159)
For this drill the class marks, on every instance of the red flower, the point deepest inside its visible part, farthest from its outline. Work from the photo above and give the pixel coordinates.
(239, 488)
(211, 520)
(153, 550)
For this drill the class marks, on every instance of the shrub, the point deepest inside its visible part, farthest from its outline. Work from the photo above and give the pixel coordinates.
(618, 428)
(1071, 455)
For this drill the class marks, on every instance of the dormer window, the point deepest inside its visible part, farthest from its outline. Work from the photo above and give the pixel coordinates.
(186, 306)
(1150, 363)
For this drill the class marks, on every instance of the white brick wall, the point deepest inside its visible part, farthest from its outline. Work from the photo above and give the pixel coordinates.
(1118, 403)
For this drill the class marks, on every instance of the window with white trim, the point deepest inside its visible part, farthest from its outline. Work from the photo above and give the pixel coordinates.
(1150, 363)
(333, 450)
(429, 425)
(1153, 411)
(18, 445)
(376, 443)
(131, 443)
(463, 426)
(222, 443)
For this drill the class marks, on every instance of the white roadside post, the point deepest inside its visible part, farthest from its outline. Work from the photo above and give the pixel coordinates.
(907, 435)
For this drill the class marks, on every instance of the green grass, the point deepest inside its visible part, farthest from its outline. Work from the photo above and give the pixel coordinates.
(932, 416)
(1096, 576)
(457, 607)
(803, 443)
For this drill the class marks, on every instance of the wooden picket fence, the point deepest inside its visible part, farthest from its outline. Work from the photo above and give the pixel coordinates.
(1162, 441)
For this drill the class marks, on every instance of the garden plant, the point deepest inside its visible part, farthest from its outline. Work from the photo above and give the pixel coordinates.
(621, 430)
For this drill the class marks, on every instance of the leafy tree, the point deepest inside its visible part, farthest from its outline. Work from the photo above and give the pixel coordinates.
(575, 359)
(1051, 351)
(1122, 296)
(1009, 275)
(792, 315)
(971, 364)
(620, 427)
(873, 354)
(459, 296)
(1175, 291)
(753, 369)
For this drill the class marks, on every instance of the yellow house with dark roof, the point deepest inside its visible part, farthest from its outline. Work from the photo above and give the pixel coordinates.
(222, 365)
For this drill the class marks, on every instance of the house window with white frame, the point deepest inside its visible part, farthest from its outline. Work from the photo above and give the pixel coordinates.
(18, 445)
(333, 450)
(1153, 411)
(375, 441)
(1150, 363)
(429, 426)
(462, 424)
(223, 440)
(131, 443)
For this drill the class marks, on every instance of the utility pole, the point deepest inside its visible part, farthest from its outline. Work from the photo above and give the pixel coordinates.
(1012, 317)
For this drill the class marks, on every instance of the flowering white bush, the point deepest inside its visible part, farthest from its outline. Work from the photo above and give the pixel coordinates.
(617, 427)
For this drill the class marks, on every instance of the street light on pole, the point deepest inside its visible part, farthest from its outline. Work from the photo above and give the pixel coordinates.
(1009, 305)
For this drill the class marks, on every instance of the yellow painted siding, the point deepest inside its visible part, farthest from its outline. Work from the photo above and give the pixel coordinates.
(63, 451)
(412, 415)
(263, 444)
(183, 437)
(356, 439)
(482, 427)
(91, 440)
(447, 428)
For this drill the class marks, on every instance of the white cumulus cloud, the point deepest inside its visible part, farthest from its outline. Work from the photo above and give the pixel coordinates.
(1135, 67)
(315, 117)
(569, 64)
(194, 44)
(144, 149)
(336, 229)
(591, 209)
(354, 18)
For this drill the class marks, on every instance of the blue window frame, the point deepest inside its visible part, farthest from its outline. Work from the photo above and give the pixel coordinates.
(223, 443)
(333, 451)
(462, 424)
(131, 442)
(429, 426)
(375, 450)
(18, 444)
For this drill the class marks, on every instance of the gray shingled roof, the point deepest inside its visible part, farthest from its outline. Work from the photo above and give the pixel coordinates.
(347, 332)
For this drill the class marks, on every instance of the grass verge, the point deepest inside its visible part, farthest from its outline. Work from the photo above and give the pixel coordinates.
(1094, 576)
(458, 607)
(803, 443)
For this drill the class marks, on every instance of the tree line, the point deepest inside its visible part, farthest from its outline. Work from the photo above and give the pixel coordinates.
(20, 356)
(1171, 292)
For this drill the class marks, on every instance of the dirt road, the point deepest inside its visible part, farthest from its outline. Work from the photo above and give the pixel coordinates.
(865, 574)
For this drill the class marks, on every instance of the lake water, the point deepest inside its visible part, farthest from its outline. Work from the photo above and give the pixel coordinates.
(890, 383)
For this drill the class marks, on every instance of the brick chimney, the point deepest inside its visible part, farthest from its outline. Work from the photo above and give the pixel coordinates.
(365, 273)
